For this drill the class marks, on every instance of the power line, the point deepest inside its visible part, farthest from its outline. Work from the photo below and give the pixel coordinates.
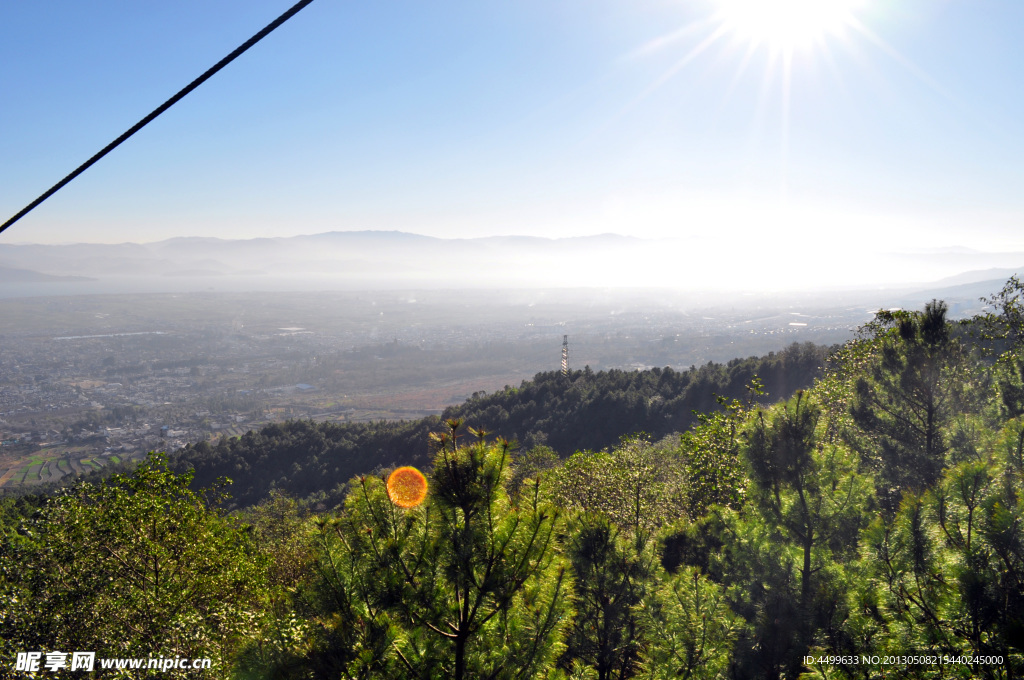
(160, 109)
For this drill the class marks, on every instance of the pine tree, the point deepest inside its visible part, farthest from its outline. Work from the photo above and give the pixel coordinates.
(613, 577)
(692, 630)
(811, 497)
(465, 585)
(621, 497)
(911, 393)
(1005, 330)
(945, 575)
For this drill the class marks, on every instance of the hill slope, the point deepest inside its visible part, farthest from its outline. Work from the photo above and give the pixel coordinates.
(584, 410)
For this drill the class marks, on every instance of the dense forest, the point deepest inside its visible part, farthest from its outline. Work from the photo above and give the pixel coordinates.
(582, 410)
(868, 525)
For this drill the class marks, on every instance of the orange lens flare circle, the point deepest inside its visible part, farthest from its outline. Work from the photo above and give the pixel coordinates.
(407, 487)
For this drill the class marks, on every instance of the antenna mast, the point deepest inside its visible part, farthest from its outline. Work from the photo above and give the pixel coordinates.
(565, 355)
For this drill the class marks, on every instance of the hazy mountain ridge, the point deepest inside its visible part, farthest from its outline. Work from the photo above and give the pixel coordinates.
(342, 254)
(388, 259)
(19, 275)
(982, 275)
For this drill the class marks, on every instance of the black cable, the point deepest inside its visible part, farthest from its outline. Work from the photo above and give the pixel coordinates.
(160, 109)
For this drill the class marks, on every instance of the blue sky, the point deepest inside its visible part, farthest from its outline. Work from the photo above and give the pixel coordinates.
(898, 129)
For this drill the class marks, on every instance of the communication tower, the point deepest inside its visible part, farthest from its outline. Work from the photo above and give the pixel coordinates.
(565, 355)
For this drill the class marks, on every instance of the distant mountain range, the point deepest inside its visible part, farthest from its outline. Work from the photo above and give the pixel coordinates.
(394, 259)
(354, 255)
(977, 276)
(16, 275)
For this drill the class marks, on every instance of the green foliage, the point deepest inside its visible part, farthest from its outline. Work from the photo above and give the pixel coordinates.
(285, 534)
(590, 410)
(912, 391)
(16, 509)
(879, 512)
(692, 629)
(594, 410)
(808, 490)
(530, 464)
(465, 585)
(1005, 331)
(636, 485)
(1007, 324)
(304, 459)
(632, 618)
(946, 574)
(1009, 378)
(137, 566)
(614, 576)
(810, 500)
(715, 472)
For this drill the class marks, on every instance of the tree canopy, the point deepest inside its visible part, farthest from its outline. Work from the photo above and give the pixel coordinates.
(869, 523)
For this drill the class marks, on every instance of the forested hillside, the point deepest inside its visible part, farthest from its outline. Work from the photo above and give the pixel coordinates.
(584, 410)
(868, 526)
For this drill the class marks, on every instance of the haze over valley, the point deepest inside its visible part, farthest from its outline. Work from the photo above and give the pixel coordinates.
(375, 260)
(86, 380)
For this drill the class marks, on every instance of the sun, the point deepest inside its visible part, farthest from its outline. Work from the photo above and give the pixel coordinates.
(786, 25)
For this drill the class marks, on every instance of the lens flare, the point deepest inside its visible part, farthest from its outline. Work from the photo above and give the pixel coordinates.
(407, 487)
